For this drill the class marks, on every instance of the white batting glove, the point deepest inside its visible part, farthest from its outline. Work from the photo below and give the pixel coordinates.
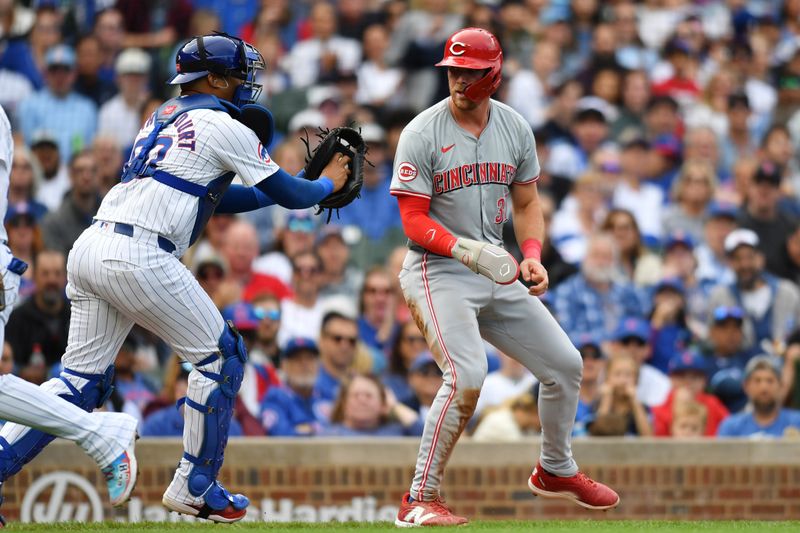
(487, 259)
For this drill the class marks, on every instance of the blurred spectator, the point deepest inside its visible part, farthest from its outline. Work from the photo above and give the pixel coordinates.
(680, 264)
(37, 330)
(25, 242)
(688, 374)
(295, 408)
(362, 410)
(633, 193)
(152, 24)
(579, 217)
(108, 157)
(301, 314)
(762, 383)
(517, 418)
(762, 215)
(376, 325)
(570, 157)
(7, 360)
(511, 379)
(378, 83)
(211, 241)
(295, 235)
(209, 271)
(89, 60)
(72, 118)
(681, 84)
(632, 338)
(425, 380)
(689, 419)
(16, 22)
(668, 321)
(45, 33)
(266, 347)
(408, 343)
(324, 53)
(337, 351)
(259, 374)
(22, 183)
(594, 364)
(129, 383)
(593, 301)
(635, 94)
(55, 183)
(168, 421)
(664, 161)
(240, 248)
(562, 113)
(619, 411)
(701, 144)
(712, 266)
(789, 267)
(692, 192)
(529, 89)
(62, 227)
(119, 117)
(109, 30)
(737, 141)
(338, 277)
(557, 268)
(772, 305)
(640, 266)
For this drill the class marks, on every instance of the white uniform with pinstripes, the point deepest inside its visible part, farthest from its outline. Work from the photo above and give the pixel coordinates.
(104, 436)
(116, 280)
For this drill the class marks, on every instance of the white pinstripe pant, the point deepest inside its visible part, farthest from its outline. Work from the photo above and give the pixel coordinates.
(115, 281)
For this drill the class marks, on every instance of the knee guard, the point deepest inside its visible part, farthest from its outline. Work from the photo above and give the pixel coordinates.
(94, 393)
(217, 411)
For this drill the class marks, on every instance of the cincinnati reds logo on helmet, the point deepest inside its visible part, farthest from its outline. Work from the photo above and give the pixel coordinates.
(455, 52)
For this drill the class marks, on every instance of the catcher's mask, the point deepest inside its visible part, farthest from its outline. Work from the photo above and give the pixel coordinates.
(475, 48)
(224, 55)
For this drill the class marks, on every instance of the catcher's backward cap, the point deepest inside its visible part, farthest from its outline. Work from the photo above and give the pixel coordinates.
(475, 48)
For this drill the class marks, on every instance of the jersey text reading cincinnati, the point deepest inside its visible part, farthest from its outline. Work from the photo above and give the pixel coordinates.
(473, 174)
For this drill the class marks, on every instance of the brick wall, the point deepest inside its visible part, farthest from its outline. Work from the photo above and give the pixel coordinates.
(358, 480)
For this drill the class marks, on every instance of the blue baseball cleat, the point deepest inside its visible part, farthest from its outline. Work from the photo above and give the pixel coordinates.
(121, 476)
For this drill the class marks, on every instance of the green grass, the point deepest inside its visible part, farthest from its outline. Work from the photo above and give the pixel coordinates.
(552, 526)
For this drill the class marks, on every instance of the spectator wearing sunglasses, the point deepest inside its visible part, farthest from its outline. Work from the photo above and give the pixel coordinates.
(266, 344)
(632, 337)
(296, 408)
(337, 353)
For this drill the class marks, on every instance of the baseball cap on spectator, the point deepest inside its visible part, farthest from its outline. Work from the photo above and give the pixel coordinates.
(132, 61)
(768, 173)
(668, 146)
(22, 211)
(722, 210)
(589, 114)
(724, 312)
(328, 231)
(662, 100)
(761, 362)
(687, 361)
(422, 361)
(726, 384)
(372, 133)
(296, 345)
(632, 327)
(598, 104)
(738, 100)
(307, 118)
(43, 137)
(300, 221)
(320, 94)
(678, 46)
(673, 284)
(636, 143)
(589, 345)
(243, 315)
(740, 237)
(679, 238)
(59, 55)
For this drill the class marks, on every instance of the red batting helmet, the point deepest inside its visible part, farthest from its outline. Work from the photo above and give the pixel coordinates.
(475, 48)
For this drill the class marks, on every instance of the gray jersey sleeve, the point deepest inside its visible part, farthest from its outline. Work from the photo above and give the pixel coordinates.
(528, 168)
(412, 173)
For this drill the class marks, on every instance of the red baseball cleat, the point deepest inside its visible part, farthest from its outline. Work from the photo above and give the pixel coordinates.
(434, 513)
(578, 488)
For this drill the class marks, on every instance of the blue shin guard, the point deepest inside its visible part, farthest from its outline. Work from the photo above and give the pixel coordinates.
(218, 411)
(94, 393)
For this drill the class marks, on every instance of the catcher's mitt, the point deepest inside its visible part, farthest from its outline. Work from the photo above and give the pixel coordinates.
(349, 142)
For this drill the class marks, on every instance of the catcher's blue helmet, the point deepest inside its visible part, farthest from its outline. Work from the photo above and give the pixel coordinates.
(224, 55)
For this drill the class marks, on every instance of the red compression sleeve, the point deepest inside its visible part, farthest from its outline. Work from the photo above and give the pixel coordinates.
(421, 228)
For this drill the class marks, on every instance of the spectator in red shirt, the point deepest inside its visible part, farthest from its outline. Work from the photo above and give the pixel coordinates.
(687, 372)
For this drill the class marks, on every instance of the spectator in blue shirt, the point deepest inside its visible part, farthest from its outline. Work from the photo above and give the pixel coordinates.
(596, 299)
(131, 385)
(762, 383)
(58, 108)
(296, 408)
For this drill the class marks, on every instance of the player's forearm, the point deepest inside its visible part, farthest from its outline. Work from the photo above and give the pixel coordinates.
(421, 228)
(295, 192)
(240, 199)
(529, 225)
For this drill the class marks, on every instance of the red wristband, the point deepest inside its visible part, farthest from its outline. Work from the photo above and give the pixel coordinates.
(532, 249)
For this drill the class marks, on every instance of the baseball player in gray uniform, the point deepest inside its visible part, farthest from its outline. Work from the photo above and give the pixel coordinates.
(461, 166)
(125, 267)
(107, 437)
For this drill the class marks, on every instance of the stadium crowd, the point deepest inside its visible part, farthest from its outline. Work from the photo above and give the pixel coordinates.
(666, 132)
